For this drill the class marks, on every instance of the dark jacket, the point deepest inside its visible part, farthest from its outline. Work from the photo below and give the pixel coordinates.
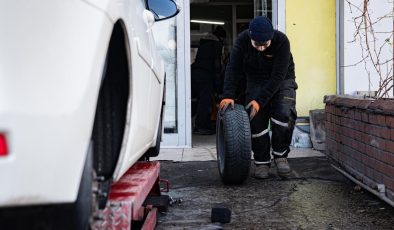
(265, 71)
(208, 59)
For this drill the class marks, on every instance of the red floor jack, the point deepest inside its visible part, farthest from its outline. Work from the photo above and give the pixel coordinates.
(134, 200)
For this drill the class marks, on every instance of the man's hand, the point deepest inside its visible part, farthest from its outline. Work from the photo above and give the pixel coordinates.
(254, 110)
(225, 102)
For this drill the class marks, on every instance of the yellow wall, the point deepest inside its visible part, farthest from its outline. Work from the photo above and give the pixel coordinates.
(310, 26)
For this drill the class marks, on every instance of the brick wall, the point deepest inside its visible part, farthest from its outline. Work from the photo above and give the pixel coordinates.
(360, 139)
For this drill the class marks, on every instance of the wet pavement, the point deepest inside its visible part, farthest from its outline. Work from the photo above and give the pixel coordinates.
(315, 196)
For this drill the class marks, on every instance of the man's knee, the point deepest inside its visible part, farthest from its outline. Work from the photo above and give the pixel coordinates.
(284, 116)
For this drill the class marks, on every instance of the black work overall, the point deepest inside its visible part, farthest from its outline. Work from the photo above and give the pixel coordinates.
(203, 75)
(270, 80)
(280, 113)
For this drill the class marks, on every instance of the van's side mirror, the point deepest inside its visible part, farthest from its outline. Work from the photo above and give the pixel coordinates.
(162, 9)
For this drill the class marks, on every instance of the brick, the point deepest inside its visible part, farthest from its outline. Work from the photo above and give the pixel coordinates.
(342, 121)
(329, 109)
(376, 105)
(346, 140)
(369, 172)
(390, 121)
(354, 143)
(329, 133)
(367, 128)
(373, 119)
(381, 167)
(357, 155)
(356, 171)
(371, 162)
(387, 106)
(364, 169)
(349, 151)
(337, 119)
(349, 123)
(365, 138)
(357, 135)
(364, 159)
(363, 104)
(377, 176)
(351, 114)
(391, 134)
(385, 133)
(334, 127)
(345, 111)
(379, 131)
(374, 130)
(330, 143)
(377, 142)
(328, 126)
(390, 158)
(389, 146)
(381, 119)
(357, 115)
(388, 182)
(373, 152)
(345, 131)
(361, 146)
(328, 117)
(385, 169)
(347, 102)
(390, 170)
(335, 135)
(381, 156)
(359, 125)
(364, 117)
(338, 111)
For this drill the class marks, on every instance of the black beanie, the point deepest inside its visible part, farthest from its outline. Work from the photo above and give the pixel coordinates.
(260, 29)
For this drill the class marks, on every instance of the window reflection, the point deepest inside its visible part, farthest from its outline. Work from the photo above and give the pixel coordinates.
(165, 37)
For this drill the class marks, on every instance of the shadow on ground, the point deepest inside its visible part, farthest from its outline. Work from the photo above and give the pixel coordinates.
(315, 196)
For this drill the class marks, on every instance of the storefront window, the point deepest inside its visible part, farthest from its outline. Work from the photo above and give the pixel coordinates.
(165, 37)
(263, 8)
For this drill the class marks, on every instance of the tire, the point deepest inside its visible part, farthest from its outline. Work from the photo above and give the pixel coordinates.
(233, 145)
(86, 202)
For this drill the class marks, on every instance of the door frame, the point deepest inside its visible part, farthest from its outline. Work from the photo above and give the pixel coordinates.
(183, 139)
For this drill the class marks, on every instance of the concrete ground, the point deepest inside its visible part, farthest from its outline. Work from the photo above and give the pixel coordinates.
(314, 196)
(204, 149)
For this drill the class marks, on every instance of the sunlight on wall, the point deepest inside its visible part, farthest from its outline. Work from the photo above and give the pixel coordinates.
(310, 26)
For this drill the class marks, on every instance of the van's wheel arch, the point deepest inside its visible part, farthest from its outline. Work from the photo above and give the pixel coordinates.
(233, 145)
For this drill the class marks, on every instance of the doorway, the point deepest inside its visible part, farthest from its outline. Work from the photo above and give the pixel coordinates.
(205, 16)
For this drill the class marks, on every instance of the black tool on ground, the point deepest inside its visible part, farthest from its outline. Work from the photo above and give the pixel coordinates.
(221, 213)
(233, 144)
(160, 202)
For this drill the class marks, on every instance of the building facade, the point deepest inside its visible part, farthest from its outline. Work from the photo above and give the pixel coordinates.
(320, 32)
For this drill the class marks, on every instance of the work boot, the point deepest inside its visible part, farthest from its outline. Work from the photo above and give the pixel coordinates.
(261, 171)
(282, 166)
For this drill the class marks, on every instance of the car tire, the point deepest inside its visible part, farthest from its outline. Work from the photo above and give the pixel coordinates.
(86, 202)
(233, 145)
